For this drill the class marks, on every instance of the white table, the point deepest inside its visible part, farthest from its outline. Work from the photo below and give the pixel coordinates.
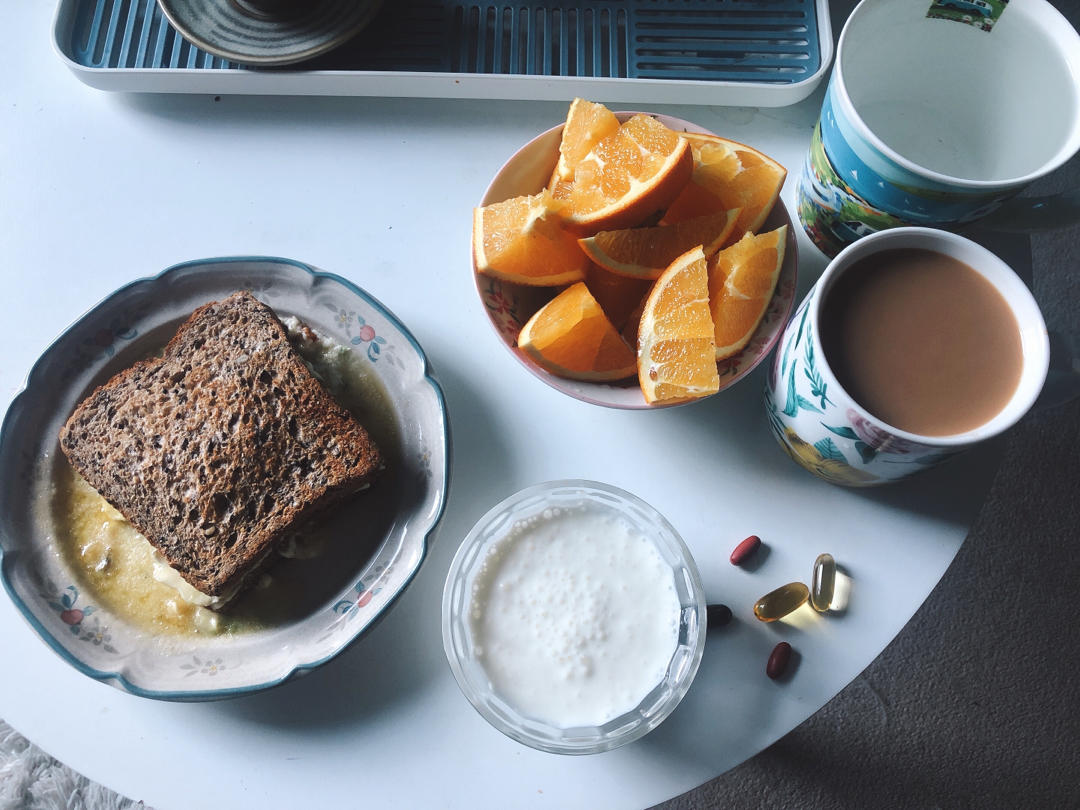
(98, 189)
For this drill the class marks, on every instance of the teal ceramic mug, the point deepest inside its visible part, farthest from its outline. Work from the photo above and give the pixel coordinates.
(939, 111)
(830, 433)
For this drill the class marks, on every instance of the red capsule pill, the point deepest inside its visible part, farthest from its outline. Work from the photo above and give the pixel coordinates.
(745, 550)
(778, 660)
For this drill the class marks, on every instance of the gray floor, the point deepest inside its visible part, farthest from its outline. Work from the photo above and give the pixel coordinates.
(976, 703)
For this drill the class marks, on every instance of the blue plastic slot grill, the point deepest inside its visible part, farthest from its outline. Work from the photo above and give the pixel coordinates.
(769, 41)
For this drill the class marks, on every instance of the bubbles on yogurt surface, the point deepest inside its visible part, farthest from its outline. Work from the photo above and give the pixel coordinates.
(576, 613)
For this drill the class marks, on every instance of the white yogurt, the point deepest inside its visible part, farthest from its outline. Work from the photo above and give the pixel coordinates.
(575, 616)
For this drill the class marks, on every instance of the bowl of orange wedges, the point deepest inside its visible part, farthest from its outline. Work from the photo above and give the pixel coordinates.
(635, 260)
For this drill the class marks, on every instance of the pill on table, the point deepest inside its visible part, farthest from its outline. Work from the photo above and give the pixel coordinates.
(823, 583)
(717, 615)
(778, 660)
(745, 549)
(779, 603)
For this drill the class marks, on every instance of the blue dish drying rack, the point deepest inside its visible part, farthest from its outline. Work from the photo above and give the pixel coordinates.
(756, 52)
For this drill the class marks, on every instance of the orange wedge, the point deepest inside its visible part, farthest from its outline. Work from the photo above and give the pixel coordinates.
(523, 240)
(587, 123)
(676, 348)
(647, 252)
(628, 176)
(619, 296)
(728, 175)
(742, 279)
(571, 337)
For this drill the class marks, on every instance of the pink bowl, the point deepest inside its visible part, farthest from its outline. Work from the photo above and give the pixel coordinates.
(509, 306)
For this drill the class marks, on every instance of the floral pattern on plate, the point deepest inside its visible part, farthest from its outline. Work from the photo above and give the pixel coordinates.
(66, 605)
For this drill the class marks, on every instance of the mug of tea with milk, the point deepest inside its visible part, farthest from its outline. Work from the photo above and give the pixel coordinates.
(913, 345)
(936, 116)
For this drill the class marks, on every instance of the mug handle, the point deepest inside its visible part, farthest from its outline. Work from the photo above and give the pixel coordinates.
(1035, 213)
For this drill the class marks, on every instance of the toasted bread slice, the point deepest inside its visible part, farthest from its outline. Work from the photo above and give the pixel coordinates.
(219, 447)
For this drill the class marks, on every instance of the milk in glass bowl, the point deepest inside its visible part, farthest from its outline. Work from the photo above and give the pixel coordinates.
(573, 617)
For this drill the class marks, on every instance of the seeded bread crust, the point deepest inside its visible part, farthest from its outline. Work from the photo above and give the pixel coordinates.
(219, 447)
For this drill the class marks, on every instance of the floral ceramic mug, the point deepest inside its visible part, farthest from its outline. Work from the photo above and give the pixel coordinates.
(937, 112)
(827, 432)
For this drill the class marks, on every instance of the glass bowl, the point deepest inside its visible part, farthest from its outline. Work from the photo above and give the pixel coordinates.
(461, 646)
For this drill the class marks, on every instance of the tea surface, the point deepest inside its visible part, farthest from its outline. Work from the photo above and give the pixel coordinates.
(922, 341)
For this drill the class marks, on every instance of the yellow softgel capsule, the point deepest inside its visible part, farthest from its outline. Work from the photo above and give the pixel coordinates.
(779, 603)
(823, 583)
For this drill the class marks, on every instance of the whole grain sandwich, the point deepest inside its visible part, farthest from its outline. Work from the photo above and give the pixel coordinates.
(221, 446)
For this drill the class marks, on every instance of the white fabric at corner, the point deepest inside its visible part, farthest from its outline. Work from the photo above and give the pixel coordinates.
(32, 780)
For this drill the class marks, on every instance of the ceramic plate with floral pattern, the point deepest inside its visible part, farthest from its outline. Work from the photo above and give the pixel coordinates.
(509, 306)
(313, 608)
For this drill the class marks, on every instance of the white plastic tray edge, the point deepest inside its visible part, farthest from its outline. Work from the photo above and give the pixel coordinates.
(443, 85)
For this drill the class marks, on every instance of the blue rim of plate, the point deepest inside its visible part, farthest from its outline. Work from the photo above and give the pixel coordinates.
(299, 669)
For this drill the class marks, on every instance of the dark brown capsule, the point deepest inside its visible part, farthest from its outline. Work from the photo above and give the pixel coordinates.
(778, 660)
(717, 616)
(745, 550)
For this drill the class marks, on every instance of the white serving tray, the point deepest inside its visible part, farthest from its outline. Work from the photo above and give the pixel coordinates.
(761, 53)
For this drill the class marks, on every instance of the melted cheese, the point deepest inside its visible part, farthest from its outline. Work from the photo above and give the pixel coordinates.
(128, 576)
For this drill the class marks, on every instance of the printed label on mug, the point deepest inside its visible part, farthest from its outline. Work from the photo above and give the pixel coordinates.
(981, 14)
(832, 213)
